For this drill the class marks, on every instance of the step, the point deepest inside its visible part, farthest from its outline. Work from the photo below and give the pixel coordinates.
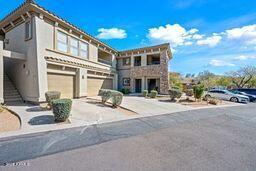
(11, 93)
(11, 96)
(12, 100)
(9, 90)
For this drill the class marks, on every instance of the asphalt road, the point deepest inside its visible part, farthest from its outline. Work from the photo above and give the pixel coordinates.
(209, 139)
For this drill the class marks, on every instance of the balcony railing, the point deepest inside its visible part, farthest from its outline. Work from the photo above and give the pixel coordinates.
(105, 61)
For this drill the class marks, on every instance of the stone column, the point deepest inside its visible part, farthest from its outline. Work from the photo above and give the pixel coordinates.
(1, 73)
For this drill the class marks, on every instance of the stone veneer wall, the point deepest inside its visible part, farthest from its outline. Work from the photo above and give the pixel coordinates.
(160, 71)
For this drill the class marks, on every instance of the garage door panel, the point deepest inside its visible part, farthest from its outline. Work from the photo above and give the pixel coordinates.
(62, 83)
(95, 84)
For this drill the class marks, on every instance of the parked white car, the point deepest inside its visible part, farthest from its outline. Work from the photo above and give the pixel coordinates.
(227, 95)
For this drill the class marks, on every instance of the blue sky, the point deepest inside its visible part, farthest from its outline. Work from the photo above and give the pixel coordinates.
(213, 35)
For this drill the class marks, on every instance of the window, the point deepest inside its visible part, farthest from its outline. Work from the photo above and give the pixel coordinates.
(126, 61)
(84, 50)
(28, 30)
(137, 61)
(74, 46)
(153, 59)
(62, 42)
(126, 81)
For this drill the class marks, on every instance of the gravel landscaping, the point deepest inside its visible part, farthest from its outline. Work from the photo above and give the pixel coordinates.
(8, 121)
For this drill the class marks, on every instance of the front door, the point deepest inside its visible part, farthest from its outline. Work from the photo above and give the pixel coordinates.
(152, 85)
(137, 85)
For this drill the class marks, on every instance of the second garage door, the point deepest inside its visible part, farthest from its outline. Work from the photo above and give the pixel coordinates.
(62, 83)
(95, 84)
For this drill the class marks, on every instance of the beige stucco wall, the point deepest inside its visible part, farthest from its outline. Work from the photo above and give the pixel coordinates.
(82, 83)
(46, 36)
(1, 73)
(23, 73)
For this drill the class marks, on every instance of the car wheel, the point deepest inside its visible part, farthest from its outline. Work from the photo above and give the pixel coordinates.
(234, 99)
(207, 96)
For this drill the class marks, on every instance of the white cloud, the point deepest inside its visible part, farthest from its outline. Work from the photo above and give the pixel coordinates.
(210, 41)
(220, 63)
(246, 34)
(244, 57)
(112, 33)
(175, 34)
(188, 43)
(198, 36)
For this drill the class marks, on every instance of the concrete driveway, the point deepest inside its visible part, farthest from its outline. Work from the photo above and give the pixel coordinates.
(90, 111)
(149, 107)
(208, 139)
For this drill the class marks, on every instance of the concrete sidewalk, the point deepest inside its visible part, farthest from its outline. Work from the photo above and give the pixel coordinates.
(86, 112)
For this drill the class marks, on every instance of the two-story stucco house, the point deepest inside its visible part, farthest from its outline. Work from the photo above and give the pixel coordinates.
(40, 52)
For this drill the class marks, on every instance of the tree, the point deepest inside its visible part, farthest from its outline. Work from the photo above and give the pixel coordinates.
(223, 81)
(205, 75)
(243, 76)
(207, 78)
(174, 78)
(252, 83)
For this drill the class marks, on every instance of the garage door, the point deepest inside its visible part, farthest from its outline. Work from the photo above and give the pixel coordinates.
(95, 84)
(62, 83)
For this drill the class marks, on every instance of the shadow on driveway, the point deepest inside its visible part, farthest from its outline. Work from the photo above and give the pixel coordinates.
(42, 120)
(36, 109)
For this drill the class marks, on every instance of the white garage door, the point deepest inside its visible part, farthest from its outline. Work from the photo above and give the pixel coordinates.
(62, 83)
(95, 84)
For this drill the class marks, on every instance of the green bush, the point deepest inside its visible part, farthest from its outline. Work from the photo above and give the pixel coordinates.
(105, 95)
(125, 91)
(145, 93)
(52, 95)
(198, 91)
(189, 92)
(61, 109)
(115, 96)
(153, 94)
(176, 87)
(175, 94)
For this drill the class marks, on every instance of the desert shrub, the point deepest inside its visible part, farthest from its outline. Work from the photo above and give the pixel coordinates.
(125, 91)
(52, 95)
(1, 109)
(214, 101)
(175, 87)
(115, 96)
(61, 109)
(105, 95)
(153, 94)
(198, 91)
(145, 93)
(175, 94)
(189, 92)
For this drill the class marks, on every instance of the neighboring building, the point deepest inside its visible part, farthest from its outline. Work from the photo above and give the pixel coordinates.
(144, 69)
(40, 52)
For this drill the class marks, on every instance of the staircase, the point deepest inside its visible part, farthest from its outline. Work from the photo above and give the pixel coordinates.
(11, 94)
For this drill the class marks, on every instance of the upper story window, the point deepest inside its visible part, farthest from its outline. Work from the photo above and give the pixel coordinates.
(153, 59)
(28, 30)
(84, 50)
(137, 61)
(62, 42)
(74, 46)
(126, 61)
